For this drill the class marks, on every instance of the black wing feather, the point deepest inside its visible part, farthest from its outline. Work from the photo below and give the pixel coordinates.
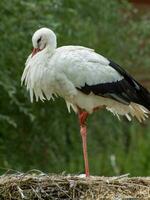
(125, 91)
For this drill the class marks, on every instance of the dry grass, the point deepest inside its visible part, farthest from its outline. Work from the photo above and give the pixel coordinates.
(39, 186)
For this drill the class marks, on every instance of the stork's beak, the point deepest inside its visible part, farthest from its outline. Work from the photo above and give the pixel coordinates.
(35, 51)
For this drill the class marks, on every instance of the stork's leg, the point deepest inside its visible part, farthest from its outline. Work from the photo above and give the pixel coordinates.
(83, 130)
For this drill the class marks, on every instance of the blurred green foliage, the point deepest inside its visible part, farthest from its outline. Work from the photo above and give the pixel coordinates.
(43, 135)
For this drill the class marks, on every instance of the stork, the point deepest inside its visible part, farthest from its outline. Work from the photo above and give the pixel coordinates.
(85, 79)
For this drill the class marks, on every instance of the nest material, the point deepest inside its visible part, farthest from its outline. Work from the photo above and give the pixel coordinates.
(33, 186)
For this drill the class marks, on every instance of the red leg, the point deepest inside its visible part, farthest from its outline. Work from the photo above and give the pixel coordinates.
(83, 130)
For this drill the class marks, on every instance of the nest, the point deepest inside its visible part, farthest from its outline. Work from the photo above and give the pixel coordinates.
(39, 186)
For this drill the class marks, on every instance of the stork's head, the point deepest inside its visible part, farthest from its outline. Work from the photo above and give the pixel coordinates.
(43, 38)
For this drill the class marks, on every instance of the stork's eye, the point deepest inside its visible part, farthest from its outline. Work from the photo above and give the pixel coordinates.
(39, 40)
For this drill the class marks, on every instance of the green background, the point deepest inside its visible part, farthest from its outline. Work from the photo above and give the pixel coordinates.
(45, 136)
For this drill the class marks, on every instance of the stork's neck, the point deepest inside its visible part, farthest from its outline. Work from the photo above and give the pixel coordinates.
(51, 46)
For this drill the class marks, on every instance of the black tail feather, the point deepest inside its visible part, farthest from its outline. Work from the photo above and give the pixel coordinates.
(144, 97)
(142, 94)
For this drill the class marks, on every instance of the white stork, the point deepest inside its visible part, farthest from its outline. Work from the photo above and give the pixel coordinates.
(85, 79)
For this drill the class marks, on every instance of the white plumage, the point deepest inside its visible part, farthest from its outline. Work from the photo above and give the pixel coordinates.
(86, 80)
(62, 70)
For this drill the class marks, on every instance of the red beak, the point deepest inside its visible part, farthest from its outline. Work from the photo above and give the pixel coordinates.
(35, 51)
